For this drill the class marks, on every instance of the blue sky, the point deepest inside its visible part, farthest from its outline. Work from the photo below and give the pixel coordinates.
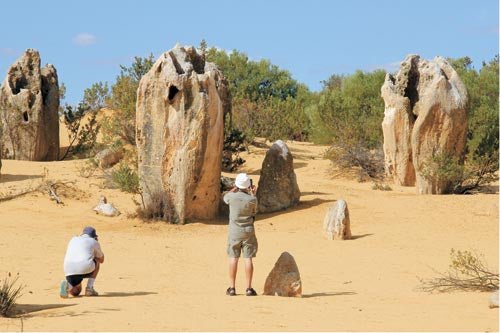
(87, 40)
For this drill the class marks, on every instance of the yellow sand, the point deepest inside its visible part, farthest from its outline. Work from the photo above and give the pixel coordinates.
(160, 277)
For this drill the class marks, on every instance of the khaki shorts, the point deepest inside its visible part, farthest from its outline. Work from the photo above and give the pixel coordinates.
(246, 243)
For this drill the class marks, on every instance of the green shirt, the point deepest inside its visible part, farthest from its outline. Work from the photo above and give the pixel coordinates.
(242, 210)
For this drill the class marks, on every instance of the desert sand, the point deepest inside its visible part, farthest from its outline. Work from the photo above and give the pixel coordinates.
(161, 277)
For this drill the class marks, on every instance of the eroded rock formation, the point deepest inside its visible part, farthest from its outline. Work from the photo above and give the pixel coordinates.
(425, 115)
(278, 188)
(181, 103)
(284, 278)
(29, 106)
(337, 225)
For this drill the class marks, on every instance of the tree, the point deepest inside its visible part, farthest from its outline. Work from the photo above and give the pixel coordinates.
(266, 100)
(349, 110)
(120, 127)
(96, 97)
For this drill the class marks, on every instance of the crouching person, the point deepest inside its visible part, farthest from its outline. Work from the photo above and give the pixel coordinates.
(82, 260)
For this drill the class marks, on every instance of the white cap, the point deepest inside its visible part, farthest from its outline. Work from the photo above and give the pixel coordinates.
(242, 181)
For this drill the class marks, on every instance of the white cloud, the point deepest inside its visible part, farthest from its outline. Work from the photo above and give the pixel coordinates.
(84, 39)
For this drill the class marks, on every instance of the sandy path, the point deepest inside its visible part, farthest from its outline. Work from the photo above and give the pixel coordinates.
(160, 277)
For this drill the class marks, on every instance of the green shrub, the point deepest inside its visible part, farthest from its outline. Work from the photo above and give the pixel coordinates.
(467, 271)
(462, 178)
(125, 178)
(82, 137)
(9, 293)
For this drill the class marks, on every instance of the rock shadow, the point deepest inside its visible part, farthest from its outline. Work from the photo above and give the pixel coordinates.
(325, 294)
(303, 194)
(298, 165)
(6, 178)
(353, 237)
(125, 294)
(300, 206)
(28, 309)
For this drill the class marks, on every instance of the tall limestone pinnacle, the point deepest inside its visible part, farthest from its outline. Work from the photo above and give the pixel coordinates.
(181, 103)
(29, 106)
(425, 115)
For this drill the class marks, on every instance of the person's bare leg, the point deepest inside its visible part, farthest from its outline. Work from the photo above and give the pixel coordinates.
(249, 271)
(90, 283)
(233, 268)
(96, 270)
(76, 290)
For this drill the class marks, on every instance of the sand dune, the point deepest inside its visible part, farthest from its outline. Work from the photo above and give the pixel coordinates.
(160, 277)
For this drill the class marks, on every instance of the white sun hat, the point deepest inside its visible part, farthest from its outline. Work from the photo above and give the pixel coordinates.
(242, 181)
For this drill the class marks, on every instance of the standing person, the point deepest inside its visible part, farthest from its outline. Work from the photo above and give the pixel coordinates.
(241, 237)
(82, 260)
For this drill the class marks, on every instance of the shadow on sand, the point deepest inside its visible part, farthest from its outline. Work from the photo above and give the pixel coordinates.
(359, 236)
(6, 178)
(123, 294)
(343, 293)
(24, 309)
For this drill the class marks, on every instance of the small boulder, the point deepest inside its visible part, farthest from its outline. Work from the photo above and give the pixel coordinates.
(284, 278)
(108, 157)
(336, 223)
(278, 188)
(105, 208)
(494, 300)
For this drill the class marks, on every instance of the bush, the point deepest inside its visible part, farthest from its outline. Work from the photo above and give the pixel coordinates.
(9, 293)
(82, 139)
(121, 125)
(470, 177)
(125, 178)
(348, 155)
(380, 186)
(349, 109)
(467, 271)
(157, 209)
(234, 143)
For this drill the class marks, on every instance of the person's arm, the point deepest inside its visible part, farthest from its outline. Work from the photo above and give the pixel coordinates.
(98, 254)
(227, 196)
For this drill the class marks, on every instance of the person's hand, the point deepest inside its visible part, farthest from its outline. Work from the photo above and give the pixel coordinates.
(253, 189)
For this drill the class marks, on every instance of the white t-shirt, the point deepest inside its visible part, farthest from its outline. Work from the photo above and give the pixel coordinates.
(80, 255)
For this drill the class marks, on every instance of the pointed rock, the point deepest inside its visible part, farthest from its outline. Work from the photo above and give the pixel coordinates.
(278, 188)
(337, 225)
(284, 278)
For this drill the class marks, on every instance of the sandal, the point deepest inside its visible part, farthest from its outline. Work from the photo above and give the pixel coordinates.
(231, 291)
(251, 292)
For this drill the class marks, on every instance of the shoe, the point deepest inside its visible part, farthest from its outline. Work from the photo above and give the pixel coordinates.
(91, 292)
(231, 291)
(251, 292)
(63, 291)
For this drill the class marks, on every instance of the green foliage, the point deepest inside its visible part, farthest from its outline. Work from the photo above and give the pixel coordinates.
(82, 137)
(234, 143)
(462, 178)
(444, 168)
(350, 110)
(467, 271)
(121, 125)
(9, 293)
(481, 160)
(266, 100)
(381, 186)
(96, 97)
(126, 179)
